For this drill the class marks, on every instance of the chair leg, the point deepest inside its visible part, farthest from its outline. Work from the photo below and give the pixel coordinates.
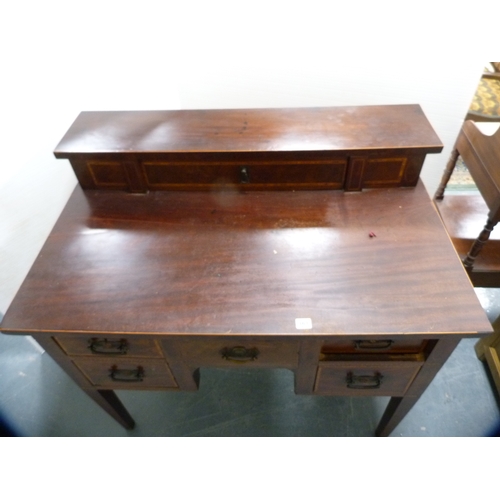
(450, 166)
(478, 244)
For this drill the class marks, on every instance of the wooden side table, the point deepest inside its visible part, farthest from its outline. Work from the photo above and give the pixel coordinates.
(471, 218)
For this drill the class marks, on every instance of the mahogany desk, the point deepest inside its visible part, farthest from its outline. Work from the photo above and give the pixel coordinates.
(225, 266)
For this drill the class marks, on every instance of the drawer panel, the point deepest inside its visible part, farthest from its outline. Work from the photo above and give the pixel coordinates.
(81, 345)
(394, 345)
(126, 373)
(344, 378)
(317, 174)
(377, 172)
(384, 172)
(238, 352)
(108, 174)
(172, 175)
(100, 173)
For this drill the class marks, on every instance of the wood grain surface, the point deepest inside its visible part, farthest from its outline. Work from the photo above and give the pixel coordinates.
(248, 263)
(253, 130)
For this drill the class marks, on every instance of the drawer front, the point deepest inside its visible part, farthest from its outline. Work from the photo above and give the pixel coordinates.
(308, 175)
(365, 378)
(377, 172)
(384, 172)
(108, 174)
(126, 373)
(101, 173)
(234, 352)
(81, 345)
(374, 346)
(171, 175)
(317, 174)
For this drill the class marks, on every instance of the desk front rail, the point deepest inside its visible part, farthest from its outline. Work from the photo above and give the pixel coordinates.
(397, 366)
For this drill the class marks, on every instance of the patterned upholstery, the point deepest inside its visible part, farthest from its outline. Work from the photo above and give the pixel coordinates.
(485, 105)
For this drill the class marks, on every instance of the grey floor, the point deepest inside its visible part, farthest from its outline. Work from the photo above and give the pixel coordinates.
(38, 399)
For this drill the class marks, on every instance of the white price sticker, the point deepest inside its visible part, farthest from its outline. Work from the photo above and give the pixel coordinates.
(303, 323)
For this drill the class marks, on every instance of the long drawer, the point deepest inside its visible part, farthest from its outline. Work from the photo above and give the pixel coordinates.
(237, 351)
(208, 172)
(190, 173)
(310, 174)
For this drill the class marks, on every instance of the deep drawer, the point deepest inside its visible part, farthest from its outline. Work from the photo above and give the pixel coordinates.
(237, 351)
(344, 378)
(81, 345)
(126, 373)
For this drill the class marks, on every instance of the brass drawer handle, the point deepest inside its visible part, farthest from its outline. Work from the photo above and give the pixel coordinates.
(108, 347)
(118, 375)
(239, 353)
(374, 345)
(364, 381)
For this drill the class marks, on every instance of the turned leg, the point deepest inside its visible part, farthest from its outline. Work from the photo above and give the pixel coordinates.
(450, 166)
(478, 244)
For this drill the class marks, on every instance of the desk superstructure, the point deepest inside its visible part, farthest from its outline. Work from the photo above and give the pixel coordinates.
(230, 238)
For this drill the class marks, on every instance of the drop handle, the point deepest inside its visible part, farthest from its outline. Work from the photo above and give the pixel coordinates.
(239, 353)
(373, 345)
(126, 375)
(108, 347)
(364, 381)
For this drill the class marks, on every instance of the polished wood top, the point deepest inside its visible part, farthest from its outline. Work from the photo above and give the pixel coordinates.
(239, 263)
(251, 130)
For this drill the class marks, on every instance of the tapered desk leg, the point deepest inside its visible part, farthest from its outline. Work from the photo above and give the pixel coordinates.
(106, 399)
(110, 403)
(438, 352)
(395, 412)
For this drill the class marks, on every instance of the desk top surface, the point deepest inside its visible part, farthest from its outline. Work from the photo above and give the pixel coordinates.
(250, 130)
(248, 263)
